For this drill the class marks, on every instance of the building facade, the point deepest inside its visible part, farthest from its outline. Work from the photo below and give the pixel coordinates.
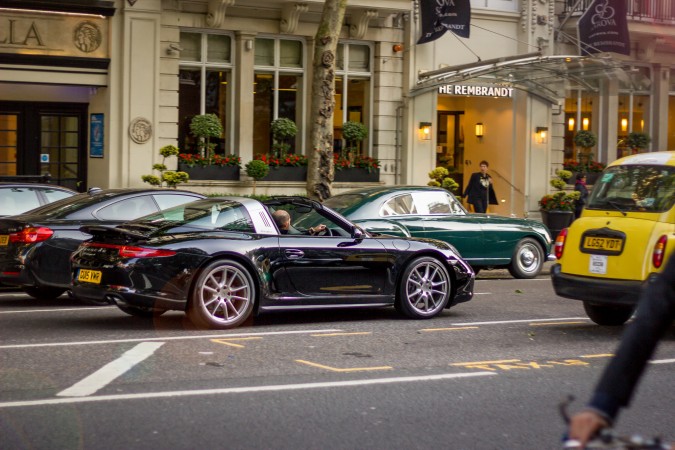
(91, 90)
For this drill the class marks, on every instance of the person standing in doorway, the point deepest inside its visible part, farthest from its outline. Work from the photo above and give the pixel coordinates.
(480, 191)
(580, 185)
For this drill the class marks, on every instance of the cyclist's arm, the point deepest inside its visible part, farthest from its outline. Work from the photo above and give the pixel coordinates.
(655, 314)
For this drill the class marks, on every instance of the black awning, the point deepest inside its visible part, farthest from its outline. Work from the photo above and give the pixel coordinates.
(98, 7)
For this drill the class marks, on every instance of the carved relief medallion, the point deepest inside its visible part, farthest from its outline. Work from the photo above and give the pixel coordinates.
(87, 37)
(140, 130)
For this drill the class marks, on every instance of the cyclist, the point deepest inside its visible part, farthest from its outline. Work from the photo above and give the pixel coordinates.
(655, 314)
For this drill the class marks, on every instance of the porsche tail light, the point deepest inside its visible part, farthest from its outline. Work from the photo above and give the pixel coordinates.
(559, 245)
(30, 235)
(127, 251)
(659, 251)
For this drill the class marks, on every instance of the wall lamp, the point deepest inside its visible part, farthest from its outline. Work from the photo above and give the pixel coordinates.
(585, 122)
(624, 124)
(479, 130)
(570, 124)
(542, 133)
(425, 131)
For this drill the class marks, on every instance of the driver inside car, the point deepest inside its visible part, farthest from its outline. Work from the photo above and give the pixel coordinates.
(283, 220)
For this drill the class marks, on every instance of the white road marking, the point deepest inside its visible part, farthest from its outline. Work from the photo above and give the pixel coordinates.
(662, 361)
(84, 308)
(114, 369)
(165, 338)
(497, 322)
(242, 390)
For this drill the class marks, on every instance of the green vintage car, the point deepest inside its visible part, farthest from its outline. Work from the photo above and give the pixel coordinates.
(484, 240)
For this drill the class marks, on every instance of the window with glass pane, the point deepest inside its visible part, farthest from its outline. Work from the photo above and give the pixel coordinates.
(204, 80)
(8, 143)
(352, 92)
(278, 90)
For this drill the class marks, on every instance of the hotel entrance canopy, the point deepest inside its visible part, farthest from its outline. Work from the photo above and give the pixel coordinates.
(546, 77)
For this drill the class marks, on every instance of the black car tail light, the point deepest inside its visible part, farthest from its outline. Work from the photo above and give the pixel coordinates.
(659, 251)
(560, 243)
(30, 235)
(127, 251)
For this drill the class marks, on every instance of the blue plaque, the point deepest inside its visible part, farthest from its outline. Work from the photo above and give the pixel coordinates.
(96, 136)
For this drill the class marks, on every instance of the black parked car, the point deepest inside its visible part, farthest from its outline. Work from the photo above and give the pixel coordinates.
(35, 247)
(223, 259)
(17, 198)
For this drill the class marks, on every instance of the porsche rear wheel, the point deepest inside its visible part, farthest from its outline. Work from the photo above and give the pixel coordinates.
(44, 293)
(527, 260)
(425, 288)
(143, 313)
(222, 297)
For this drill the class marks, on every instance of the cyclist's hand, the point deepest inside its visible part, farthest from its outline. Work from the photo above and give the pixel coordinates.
(585, 425)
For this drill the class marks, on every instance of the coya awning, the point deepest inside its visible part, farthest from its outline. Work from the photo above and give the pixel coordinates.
(546, 77)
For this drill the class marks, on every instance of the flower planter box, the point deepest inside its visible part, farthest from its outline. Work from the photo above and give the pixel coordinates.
(357, 175)
(556, 220)
(210, 172)
(287, 173)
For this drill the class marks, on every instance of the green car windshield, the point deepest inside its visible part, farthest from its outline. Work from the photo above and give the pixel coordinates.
(635, 188)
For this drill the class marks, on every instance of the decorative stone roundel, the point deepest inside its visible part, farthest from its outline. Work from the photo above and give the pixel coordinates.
(140, 130)
(87, 37)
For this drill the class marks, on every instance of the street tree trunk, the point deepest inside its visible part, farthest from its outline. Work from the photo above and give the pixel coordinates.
(320, 170)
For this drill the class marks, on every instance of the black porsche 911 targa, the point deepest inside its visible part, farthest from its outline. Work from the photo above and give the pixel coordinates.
(222, 259)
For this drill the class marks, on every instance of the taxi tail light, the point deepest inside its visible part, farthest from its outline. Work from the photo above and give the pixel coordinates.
(659, 251)
(30, 235)
(559, 245)
(127, 251)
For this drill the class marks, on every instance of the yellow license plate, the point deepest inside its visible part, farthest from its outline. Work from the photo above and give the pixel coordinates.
(4, 239)
(89, 276)
(601, 243)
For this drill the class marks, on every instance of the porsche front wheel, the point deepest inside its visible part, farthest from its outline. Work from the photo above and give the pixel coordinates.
(425, 288)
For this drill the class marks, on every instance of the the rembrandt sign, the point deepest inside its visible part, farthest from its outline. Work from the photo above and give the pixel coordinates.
(32, 33)
(478, 91)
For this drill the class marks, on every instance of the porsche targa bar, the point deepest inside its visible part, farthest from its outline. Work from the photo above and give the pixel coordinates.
(222, 259)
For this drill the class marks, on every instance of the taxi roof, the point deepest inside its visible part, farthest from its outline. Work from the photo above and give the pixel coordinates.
(666, 158)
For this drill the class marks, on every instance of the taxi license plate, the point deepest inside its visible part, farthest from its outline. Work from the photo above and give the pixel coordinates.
(4, 239)
(89, 276)
(602, 243)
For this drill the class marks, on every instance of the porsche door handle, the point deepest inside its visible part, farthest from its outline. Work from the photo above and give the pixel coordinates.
(294, 253)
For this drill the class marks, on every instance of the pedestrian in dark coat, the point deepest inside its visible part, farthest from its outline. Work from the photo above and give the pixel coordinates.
(580, 185)
(480, 190)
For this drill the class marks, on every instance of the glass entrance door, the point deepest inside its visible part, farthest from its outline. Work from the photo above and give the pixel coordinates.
(8, 143)
(40, 138)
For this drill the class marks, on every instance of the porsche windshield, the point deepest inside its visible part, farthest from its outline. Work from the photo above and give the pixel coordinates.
(635, 188)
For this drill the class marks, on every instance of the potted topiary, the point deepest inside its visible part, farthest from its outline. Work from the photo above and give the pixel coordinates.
(440, 177)
(557, 209)
(170, 177)
(585, 140)
(283, 129)
(637, 141)
(351, 165)
(257, 170)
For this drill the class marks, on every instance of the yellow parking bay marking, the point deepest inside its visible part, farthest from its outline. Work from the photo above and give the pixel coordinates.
(447, 329)
(554, 323)
(336, 369)
(513, 364)
(231, 344)
(356, 333)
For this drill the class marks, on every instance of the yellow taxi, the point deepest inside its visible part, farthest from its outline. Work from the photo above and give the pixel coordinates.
(622, 239)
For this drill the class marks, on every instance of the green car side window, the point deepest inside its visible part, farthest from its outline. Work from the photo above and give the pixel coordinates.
(403, 204)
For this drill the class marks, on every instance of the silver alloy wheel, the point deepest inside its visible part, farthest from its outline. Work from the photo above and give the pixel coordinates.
(226, 294)
(427, 287)
(528, 259)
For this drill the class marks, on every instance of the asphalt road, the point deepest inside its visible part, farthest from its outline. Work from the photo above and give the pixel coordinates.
(487, 374)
